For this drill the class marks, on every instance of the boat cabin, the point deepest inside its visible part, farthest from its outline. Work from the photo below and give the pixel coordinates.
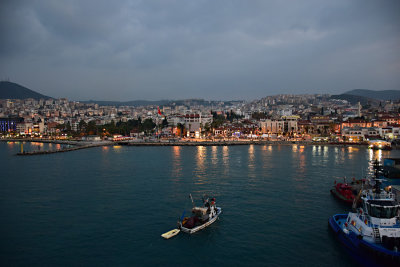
(384, 209)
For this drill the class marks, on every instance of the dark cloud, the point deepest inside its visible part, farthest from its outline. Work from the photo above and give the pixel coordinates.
(208, 49)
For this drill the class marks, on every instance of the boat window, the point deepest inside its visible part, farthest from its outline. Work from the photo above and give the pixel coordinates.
(382, 212)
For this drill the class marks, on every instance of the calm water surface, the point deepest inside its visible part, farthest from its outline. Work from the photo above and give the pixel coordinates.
(108, 206)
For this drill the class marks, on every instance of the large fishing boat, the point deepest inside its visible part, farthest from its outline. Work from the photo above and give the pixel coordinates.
(372, 231)
(201, 216)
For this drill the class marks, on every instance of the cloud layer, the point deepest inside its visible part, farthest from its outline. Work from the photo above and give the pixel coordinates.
(204, 49)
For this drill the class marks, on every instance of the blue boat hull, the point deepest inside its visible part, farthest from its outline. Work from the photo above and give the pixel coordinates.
(364, 252)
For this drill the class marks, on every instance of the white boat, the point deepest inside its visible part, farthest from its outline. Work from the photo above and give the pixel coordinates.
(201, 217)
(171, 233)
(379, 144)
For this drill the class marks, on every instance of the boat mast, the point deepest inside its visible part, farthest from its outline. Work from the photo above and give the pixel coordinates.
(190, 195)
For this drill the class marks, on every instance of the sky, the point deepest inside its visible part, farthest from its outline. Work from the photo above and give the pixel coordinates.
(211, 49)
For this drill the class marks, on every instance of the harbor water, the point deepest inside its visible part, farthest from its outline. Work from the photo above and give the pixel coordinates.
(108, 206)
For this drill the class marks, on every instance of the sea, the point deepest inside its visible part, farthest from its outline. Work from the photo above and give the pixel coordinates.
(108, 206)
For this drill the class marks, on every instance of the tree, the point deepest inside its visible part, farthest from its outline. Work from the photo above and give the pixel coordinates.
(258, 115)
(148, 125)
(82, 126)
(164, 123)
(68, 126)
(91, 128)
(207, 127)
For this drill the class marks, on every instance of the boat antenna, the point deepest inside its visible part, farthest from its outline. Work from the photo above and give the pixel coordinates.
(190, 195)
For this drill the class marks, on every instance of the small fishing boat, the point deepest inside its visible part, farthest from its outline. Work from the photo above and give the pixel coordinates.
(201, 216)
(371, 233)
(347, 192)
(344, 192)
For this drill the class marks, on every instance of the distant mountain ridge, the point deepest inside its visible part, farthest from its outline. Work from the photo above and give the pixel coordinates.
(136, 103)
(10, 90)
(379, 95)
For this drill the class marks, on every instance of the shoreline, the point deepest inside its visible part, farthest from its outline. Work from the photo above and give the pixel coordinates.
(180, 143)
(86, 144)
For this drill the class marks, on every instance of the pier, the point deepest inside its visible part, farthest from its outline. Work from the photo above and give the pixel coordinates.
(76, 145)
(31, 153)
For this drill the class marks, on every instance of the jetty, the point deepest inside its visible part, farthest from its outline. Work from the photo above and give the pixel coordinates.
(72, 146)
(31, 153)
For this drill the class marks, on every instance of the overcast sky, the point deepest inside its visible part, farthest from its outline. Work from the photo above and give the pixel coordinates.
(129, 50)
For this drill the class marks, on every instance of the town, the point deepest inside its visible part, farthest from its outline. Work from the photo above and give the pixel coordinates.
(275, 118)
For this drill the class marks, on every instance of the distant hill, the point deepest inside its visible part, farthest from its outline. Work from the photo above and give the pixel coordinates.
(9, 90)
(354, 99)
(135, 103)
(380, 95)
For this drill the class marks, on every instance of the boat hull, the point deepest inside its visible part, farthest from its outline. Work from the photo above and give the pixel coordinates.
(341, 197)
(366, 253)
(200, 227)
(170, 234)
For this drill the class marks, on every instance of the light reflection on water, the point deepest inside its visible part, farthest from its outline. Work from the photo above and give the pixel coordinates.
(200, 168)
(251, 162)
(351, 151)
(214, 156)
(176, 163)
(376, 155)
(314, 150)
(265, 155)
(325, 151)
(302, 164)
(225, 158)
(294, 148)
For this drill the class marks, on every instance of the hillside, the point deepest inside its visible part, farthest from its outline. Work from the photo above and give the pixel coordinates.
(187, 102)
(379, 95)
(354, 99)
(128, 103)
(9, 90)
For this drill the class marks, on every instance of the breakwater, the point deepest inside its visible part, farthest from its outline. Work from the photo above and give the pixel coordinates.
(71, 146)
(31, 153)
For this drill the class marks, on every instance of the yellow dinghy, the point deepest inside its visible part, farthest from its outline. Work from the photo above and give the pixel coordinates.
(171, 233)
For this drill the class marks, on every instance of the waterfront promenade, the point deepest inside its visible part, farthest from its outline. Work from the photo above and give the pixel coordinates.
(77, 145)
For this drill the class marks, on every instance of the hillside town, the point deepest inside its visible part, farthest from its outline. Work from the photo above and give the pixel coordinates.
(282, 117)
